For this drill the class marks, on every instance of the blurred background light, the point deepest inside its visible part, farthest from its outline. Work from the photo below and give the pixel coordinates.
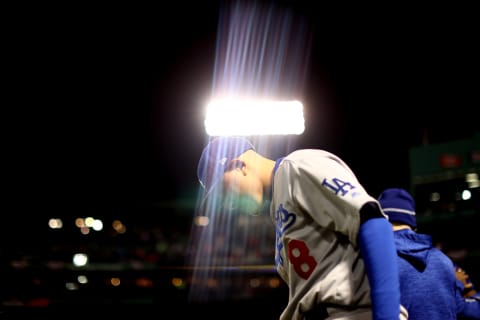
(80, 259)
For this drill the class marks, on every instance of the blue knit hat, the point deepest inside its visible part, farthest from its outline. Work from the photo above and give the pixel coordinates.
(215, 159)
(399, 206)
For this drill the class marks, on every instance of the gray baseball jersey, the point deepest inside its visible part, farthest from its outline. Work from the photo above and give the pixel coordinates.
(315, 208)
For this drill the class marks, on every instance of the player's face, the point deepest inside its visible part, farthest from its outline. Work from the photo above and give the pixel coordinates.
(242, 189)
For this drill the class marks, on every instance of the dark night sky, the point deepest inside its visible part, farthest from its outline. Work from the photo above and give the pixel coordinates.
(106, 102)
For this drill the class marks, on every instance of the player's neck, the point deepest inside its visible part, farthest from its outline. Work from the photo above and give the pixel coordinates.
(400, 227)
(267, 175)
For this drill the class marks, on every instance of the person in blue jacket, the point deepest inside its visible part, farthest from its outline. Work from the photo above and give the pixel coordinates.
(466, 287)
(428, 284)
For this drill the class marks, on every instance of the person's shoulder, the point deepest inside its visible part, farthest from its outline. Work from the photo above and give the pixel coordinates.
(442, 256)
(314, 156)
(309, 153)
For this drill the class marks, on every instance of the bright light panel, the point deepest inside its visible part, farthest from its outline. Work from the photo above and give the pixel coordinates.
(247, 117)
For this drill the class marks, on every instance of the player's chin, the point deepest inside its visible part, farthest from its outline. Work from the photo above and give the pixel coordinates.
(247, 206)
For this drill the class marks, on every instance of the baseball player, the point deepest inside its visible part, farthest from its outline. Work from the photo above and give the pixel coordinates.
(334, 246)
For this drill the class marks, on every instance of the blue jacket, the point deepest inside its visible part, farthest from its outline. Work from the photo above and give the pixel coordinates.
(428, 285)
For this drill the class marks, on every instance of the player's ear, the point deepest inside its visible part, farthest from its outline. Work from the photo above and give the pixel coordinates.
(242, 166)
(235, 164)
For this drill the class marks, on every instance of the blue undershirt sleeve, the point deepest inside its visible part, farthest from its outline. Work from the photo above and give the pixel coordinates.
(377, 247)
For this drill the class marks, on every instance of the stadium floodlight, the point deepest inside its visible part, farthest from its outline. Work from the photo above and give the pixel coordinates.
(254, 117)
